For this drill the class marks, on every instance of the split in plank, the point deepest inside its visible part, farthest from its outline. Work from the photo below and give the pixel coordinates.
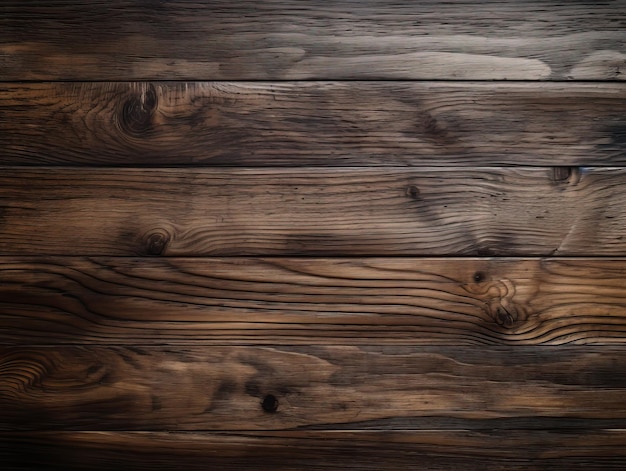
(312, 123)
(357, 211)
(199, 301)
(265, 388)
(288, 39)
(528, 450)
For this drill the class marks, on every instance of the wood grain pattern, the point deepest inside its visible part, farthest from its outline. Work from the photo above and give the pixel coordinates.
(293, 235)
(384, 211)
(312, 123)
(278, 39)
(534, 450)
(312, 301)
(228, 388)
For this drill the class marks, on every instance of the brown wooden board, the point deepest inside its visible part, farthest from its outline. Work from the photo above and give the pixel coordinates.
(335, 387)
(290, 39)
(318, 235)
(312, 123)
(131, 301)
(384, 211)
(534, 450)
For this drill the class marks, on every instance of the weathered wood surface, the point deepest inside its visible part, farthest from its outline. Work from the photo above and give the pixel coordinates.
(342, 387)
(130, 301)
(278, 39)
(312, 123)
(535, 450)
(297, 349)
(384, 211)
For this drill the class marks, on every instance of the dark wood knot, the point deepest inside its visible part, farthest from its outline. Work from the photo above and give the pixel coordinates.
(156, 242)
(138, 111)
(270, 403)
(413, 192)
(504, 318)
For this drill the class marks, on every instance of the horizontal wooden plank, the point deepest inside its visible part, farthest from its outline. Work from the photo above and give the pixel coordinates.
(312, 301)
(288, 39)
(297, 450)
(342, 387)
(312, 123)
(381, 211)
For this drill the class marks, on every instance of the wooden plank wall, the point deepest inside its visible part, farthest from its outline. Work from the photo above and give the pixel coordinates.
(297, 235)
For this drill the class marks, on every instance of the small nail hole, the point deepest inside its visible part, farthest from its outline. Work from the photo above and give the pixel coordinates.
(478, 277)
(270, 403)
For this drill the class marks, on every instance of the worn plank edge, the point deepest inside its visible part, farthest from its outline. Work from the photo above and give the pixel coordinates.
(434, 449)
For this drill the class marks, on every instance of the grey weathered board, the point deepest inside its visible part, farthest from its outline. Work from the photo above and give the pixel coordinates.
(293, 39)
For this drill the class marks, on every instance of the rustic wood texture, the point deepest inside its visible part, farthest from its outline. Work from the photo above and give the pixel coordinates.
(279, 39)
(385, 211)
(312, 123)
(534, 450)
(342, 387)
(312, 301)
(293, 235)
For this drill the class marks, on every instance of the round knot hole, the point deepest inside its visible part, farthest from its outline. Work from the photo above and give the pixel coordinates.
(270, 403)
(479, 277)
